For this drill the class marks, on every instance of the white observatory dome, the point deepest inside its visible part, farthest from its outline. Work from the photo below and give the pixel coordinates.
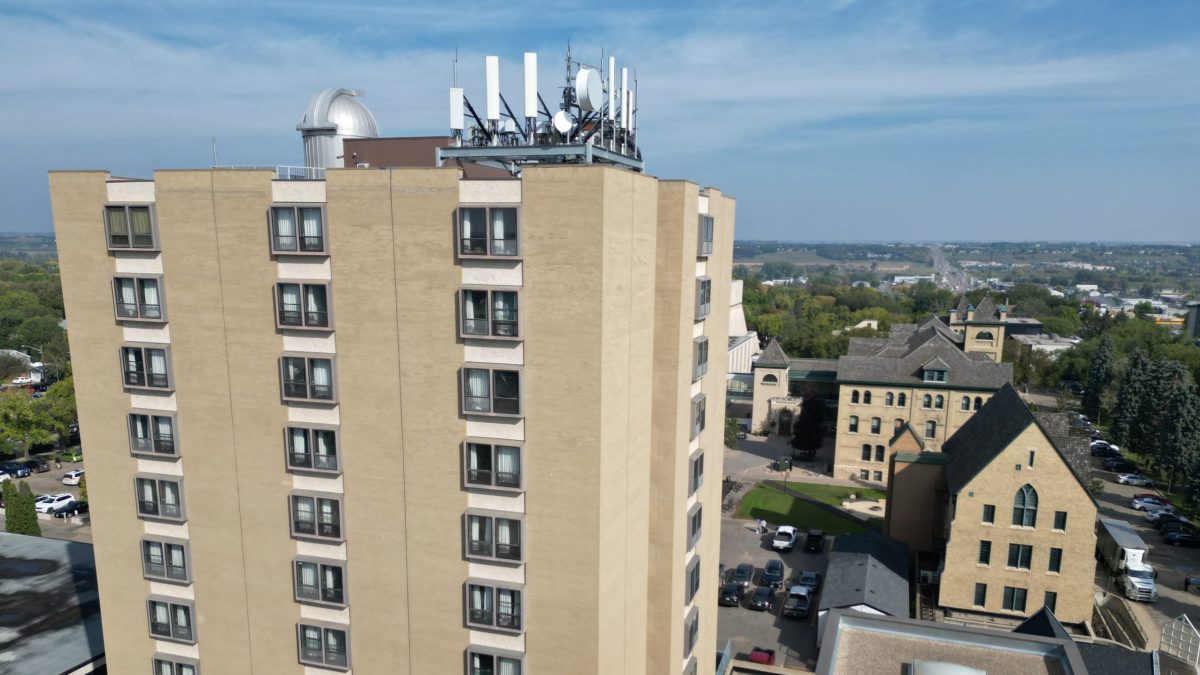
(333, 115)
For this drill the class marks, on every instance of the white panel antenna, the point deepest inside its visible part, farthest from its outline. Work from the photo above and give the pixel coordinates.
(625, 98)
(589, 90)
(456, 109)
(612, 91)
(492, 65)
(531, 95)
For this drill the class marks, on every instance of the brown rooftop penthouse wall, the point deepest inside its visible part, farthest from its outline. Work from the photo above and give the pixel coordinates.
(914, 488)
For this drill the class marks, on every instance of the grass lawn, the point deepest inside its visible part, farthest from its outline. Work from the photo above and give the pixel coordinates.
(777, 508)
(834, 495)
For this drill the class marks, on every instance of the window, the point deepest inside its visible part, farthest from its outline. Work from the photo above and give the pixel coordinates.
(770, 379)
(1025, 507)
(989, 513)
(695, 520)
(980, 595)
(1060, 520)
(138, 298)
(130, 227)
(700, 359)
(480, 663)
(902, 400)
(165, 560)
(985, 336)
(152, 435)
(488, 313)
(935, 375)
(487, 231)
(319, 581)
(1014, 599)
(1055, 564)
(691, 628)
(878, 476)
(315, 517)
(866, 398)
(703, 297)
(312, 449)
(704, 234)
(876, 424)
(298, 230)
(1050, 600)
(488, 391)
(927, 401)
(854, 424)
(866, 452)
(306, 378)
(939, 402)
(171, 620)
(488, 465)
(864, 474)
(879, 453)
(931, 429)
(693, 580)
(159, 498)
(854, 396)
(323, 645)
(966, 403)
(164, 664)
(978, 403)
(1031, 453)
(1020, 556)
(696, 472)
(301, 305)
(494, 607)
(493, 537)
(985, 553)
(146, 367)
(889, 398)
(699, 411)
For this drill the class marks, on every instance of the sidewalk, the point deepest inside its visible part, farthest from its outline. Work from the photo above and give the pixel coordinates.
(752, 459)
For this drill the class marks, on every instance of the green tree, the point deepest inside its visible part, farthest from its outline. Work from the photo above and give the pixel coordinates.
(37, 331)
(732, 429)
(1178, 436)
(56, 410)
(21, 424)
(11, 365)
(19, 513)
(1167, 377)
(83, 489)
(1101, 371)
(1143, 309)
(807, 431)
(1130, 394)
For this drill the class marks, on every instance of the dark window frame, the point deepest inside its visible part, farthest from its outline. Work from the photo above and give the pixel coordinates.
(489, 246)
(304, 320)
(1054, 562)
(695, 471)
(1025, 505)
(165, 576)
(492, 370)
(155, 446)
(274, 240)
(143, 380)
(323, 597)
(1020, 556)
(287, 388)
(705, 228)
(985, 552)
(156, 512)
(1060, 521)
(291, 459)
(491, 619)
(489, 550)
(1014, 596)
(154, 247)
(496, 655)
(175, 662)
(321, 532)
(324, 660)
(852, 425)
(515, 326)
(140, 313)
(174, 632)
(703, 297)
(695, 524)
(980, 597)
(989, 514)
(493, 475)
(699, 357)
(692, 579)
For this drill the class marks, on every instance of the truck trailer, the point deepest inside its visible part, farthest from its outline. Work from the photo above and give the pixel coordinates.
(1124, 554)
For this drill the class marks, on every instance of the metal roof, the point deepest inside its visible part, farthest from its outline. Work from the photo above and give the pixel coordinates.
(337, 110)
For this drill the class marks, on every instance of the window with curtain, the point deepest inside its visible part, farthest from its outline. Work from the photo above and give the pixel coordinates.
(479, 605)
(335, 648)
(473, 238)
(164, 434)
(321, 371)
(304, 516)
(140, 439)
(125, 291)
(889, 399)
(479, 536)
(160, 619)
(312, 236)
(508, 539)
(504, 314)
(164, 666)
(308, 583)
(154, 562)
(479, 464)
(939, 402)
(157, 372)
(299, 454)
(508, 608)
(507, 392)
(141, 227)
(1025, 507)
(927, 401)
(854, 424)
(284, 236)
(147, 491)
(149, 308)
(475, 312)
(176, 559)
(504, 231)
(328, 511)
(876, 425)
(295, 377)
(132, 360)
(172, 501)
(311, 645)
(117, 226)
(289, 305)
(324, 443)
(316, 306)
(508, 466)
(476, 390)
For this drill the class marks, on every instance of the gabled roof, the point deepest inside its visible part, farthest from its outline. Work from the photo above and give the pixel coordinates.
(986, 310)
(867, 569)
(936, 363)
(772, 357)
(900, 358)
(989, 432)
(908, 430)
(1043, 623)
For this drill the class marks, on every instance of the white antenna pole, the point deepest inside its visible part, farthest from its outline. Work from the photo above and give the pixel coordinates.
(456, 115)
(624, 104)
(633, 108)
(612, 96)
(492, 69)
(531, 111)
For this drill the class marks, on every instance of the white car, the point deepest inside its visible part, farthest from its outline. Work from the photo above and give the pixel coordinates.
(73, 477)
(785, 538)
(1153, 515)
(24, 379)
(1147, 503)
(50, 502)
(1134, 479)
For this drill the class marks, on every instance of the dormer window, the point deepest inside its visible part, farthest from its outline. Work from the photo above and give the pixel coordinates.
(935, 375)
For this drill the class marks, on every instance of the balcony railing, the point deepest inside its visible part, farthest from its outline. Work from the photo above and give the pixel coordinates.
(473, 246)
(161, 629)
(151, 311)
(475, 326)
(305, 592)
(140, 378)
(154, 569)
(479, 476)
(165, 445)
(333, 530)
(507, 406)
(480, 616)
(284, 242)
(171, 511)
(508, 620)
(315, 317)
(127, 310)
(312, 243)
(335, 655)
(479, 547)
(304, 526)
(148, 507)
(508, 479)
(291, 315)
(305, 460)
(508, 551)
(332, 595)
(477, 404)
(177, 572)
(321, 391)
(504, 323)
(504, 246)
(295, 388)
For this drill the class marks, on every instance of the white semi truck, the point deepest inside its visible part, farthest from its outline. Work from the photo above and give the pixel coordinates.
(1124, 554)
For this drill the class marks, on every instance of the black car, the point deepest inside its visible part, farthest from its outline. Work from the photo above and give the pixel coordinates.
(743, 575)
(1106, 451)
(814, 541)
(15, 469)
(761, 600)
(70, 509)
(1073, 388)
(1166, 519)
(1120, 465)
(37, 464)
(773, 574)
(1182, 539)
(731, 595)
(1176, 526)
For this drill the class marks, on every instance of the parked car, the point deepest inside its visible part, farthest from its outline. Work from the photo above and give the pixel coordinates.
(72, 455)
(1153, 515)
(1134, 479)
(1168, 518)
(761, 600)
(785, 538)
(743, 575)
(74, 508)
(1144, 502)
(762, 656)
(814, 541)
(798, 602)
(15, 469)
(731, 594)
(22, 380)
(810, 579)
(1182, 539)
(53, 502)
(72, 477)
(1166, 527)
(37, 464)
(1119, 465)
(773, 574)
(1106, 452)
(1073, 388)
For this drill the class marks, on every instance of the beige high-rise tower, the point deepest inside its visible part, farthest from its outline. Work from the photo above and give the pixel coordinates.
(397, 421)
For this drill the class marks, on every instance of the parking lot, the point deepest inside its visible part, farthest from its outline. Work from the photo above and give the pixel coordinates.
(794, 640)
(50, 482)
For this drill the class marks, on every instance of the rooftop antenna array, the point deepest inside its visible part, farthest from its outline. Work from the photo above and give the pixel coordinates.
(594, 123)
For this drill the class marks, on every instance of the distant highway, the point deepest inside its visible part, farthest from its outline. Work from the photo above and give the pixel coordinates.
(953, 277)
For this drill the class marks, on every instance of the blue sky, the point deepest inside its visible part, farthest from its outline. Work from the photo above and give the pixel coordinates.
(827, 119)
